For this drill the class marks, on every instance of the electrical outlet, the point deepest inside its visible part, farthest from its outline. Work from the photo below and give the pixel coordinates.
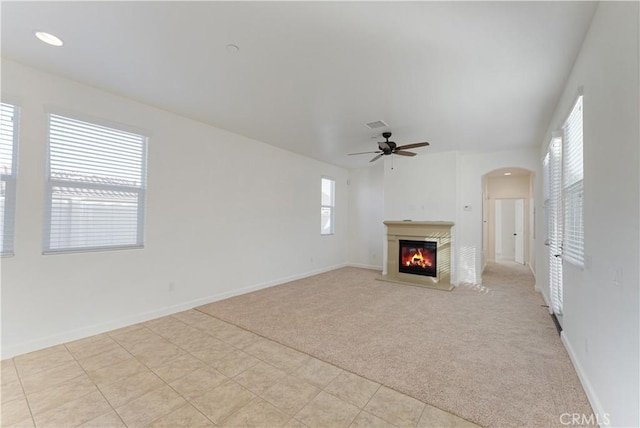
(172, 286)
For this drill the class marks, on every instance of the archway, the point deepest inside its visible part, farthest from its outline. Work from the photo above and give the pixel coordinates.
(508, 224)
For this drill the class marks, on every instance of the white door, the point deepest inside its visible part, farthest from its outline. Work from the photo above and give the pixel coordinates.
(505, 229)
(519, 230)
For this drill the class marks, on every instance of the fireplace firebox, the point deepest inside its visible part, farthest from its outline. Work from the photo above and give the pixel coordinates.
(419, 253)
(418, 257)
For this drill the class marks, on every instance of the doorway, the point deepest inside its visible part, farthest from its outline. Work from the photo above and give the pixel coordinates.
(509, 230)
(508, 214)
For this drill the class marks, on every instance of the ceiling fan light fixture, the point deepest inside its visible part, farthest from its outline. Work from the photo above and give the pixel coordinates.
(49, 38)
(507, 173)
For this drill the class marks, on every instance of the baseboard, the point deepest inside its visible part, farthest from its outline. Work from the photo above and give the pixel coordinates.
(596, 405)
(533, 272)
(364, 266)
(81, 333)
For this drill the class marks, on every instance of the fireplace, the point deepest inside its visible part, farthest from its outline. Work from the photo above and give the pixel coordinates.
(418, 257)
(419, 253)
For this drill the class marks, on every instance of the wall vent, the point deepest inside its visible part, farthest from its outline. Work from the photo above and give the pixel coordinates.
(376, 124)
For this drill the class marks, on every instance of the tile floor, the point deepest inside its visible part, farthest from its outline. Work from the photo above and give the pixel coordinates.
(194, 370)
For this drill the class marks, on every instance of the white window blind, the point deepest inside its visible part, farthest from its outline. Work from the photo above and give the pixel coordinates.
(572, 188)
(553, 201)
(8, 161)
(96, 186)
(327, 206)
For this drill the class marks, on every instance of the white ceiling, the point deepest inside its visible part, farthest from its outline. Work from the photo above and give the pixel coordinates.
(309, 75)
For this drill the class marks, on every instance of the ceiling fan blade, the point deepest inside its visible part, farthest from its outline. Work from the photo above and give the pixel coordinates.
(412, 146)
(403, 153)
(375, 159)
(384, 146)
(363, 153)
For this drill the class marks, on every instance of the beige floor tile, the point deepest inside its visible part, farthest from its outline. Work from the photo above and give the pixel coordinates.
(222, 401)
(11, 391)
(195, 340)
(262, 348)
(367, 420)
(392, 406)
(185, 416)
(192, 317)
(14, 411)
(210, 325)
(134, 337)
(165, 325)
(150, 406)
(236, 336)
(112, 374)
(352, 388)
(90, 346)
(198, 382)
(290, 394)
(234, 363)
(211, 354)
(155, 354)
(260, 377)
(294, 423)
(42, 360)
(132, 387)
(27, 423)
(317, 372)
(126, 329)
(9, 373)
(178, 367)
(288, 359)
(74, 413)
(108, 420)
(109, 357)
(432, 417)
(258, 413)
(51, 377)
(55, 396)
(325, 410)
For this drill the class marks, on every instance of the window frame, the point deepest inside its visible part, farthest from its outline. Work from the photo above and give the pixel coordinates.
(331, 207)
(51, 183)
(10, 183)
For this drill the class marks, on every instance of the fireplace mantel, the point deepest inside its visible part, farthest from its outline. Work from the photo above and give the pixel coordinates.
(431, 231)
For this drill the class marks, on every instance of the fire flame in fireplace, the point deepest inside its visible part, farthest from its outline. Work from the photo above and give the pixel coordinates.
(418, 260)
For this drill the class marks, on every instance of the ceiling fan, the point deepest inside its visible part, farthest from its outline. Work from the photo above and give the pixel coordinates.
(390, 148)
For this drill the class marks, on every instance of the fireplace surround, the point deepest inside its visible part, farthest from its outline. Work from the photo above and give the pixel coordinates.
(419, 253)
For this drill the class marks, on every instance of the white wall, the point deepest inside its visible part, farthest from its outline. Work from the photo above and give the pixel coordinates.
(213, 198)
(422, 188)
(601, 317)
(366, 214)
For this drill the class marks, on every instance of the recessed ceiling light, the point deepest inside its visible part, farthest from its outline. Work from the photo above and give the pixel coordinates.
(232, 48)
(507, 173)
(49, 39)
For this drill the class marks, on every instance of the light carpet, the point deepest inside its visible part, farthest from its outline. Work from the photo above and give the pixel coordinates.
(490, 355)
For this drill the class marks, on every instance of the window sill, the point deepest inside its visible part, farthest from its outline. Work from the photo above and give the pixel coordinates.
(91, 250)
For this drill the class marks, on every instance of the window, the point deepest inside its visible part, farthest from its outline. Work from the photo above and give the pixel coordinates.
(552, 174)
(8, 160)
(327, 207)
(96, 186)
(572, 188)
